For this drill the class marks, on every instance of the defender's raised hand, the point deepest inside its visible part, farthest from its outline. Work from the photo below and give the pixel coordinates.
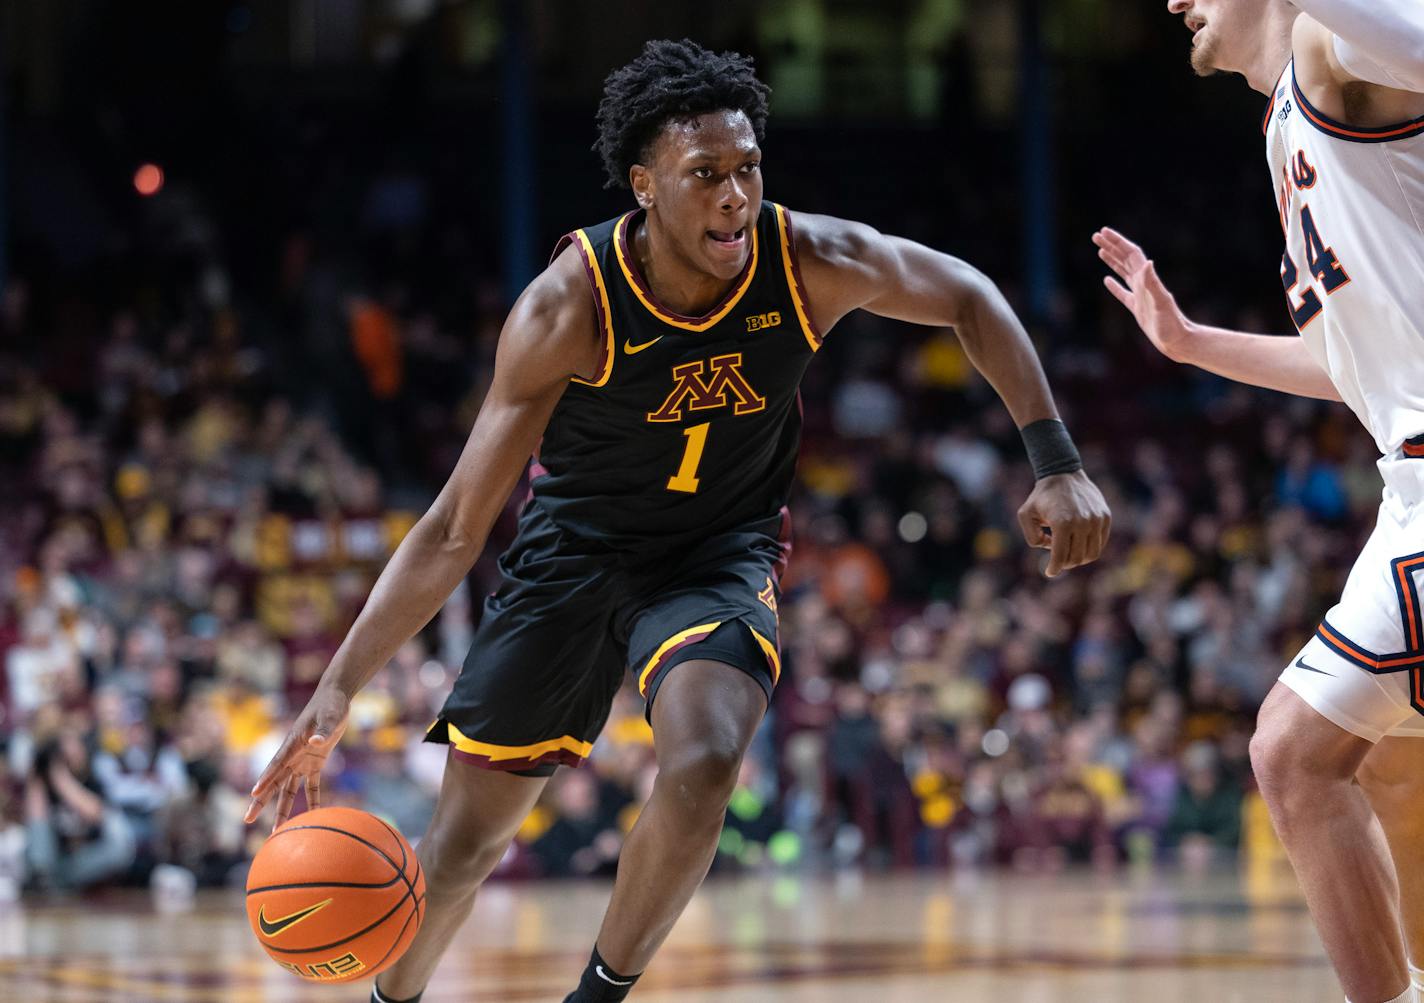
(1141, 291)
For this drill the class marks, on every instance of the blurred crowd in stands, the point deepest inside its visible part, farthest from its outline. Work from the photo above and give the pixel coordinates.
(200, 479)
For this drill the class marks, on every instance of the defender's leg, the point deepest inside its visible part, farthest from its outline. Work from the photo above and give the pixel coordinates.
(478, 813)
(1392, 777)
(1305, 766)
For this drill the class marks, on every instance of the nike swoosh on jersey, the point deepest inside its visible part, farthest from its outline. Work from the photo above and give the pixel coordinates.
(270, 928)
(604, 976)
(1311, 668)
(633, 349)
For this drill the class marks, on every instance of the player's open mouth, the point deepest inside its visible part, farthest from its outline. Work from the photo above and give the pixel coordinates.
(1195, 25)
(726, 239)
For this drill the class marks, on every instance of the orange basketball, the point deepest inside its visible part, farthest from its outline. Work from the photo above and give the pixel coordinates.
(335, 895)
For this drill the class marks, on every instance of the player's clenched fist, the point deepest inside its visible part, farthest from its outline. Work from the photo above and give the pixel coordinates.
(1066, 515)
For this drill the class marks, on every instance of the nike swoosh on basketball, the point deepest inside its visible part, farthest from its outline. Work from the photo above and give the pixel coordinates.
(633, 349)
(271, 928)
(598, 969)
(1311, 668)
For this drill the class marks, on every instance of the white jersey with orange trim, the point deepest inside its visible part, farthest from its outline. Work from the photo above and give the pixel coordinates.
(1352, 206)
(1351, 201)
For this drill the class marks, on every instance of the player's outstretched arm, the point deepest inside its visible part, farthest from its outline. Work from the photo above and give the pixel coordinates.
(849, 266)
(548, 337)
(1262, 360)
(1378, 41)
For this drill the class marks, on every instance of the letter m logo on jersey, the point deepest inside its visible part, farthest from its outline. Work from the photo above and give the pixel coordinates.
(708, 384)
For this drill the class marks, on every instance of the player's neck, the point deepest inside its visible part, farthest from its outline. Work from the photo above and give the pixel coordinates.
(678, 285)
(1274, 52)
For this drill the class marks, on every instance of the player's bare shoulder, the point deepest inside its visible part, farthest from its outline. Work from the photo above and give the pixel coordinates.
(553, 325)
(830, 245)
(839, 260)
(1332, 89)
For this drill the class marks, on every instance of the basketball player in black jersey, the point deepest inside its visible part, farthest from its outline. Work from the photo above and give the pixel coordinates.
(651, 372)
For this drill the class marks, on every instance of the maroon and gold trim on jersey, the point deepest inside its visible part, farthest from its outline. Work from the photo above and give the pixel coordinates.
(564, 750)
(670, 647)
(602, 312)
(793, 278)
(629, 266)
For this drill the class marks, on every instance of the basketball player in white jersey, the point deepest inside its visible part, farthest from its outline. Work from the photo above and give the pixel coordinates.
(1344, 133)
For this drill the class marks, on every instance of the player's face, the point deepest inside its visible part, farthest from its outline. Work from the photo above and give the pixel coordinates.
(704, 185)
(1224, 32)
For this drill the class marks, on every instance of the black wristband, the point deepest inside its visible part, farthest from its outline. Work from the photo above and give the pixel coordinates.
(1050, 448)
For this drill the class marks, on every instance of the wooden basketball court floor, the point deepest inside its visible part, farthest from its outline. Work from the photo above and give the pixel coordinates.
(1162, 937)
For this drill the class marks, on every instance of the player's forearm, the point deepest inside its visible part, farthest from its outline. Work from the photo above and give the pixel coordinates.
(999, 347)
(420, 576)
(1262, 360)
(1374, 36)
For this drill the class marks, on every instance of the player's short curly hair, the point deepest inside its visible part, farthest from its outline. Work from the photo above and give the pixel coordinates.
(671, 81)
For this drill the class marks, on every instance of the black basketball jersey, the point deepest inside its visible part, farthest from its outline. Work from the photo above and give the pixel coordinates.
(690, 425)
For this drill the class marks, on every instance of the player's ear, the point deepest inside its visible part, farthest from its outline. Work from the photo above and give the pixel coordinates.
(641, 181)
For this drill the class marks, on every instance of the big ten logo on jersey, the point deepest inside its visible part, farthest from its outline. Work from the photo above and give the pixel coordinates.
(768, 595)
(761, 321)
(707, 384)
(347, 964)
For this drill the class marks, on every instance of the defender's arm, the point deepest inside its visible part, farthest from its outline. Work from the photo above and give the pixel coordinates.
(1378, 41)
(1262, 360)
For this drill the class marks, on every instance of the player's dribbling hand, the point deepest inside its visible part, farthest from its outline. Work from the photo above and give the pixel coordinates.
(303, 754)
(1140, 290)
(1067, 516)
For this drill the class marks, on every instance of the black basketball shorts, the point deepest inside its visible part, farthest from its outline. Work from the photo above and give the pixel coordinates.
(571, 616)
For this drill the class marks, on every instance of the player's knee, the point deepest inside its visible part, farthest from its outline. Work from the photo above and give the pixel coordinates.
(703, 775)
(1291, 773)
(457, 860)
(1277, 772)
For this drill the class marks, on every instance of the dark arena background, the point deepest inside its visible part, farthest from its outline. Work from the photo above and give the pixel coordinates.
(254, 260)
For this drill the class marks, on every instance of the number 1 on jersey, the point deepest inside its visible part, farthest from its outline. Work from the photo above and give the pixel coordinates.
(685, 479)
